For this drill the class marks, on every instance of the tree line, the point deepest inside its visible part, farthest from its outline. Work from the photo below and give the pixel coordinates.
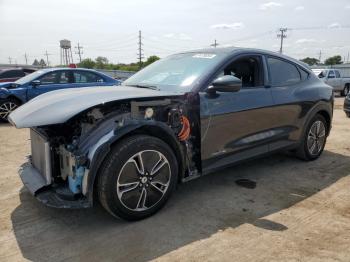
(334, 60)
(103, 63)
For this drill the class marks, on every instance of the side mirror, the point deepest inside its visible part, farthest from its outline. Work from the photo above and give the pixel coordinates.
(227, 83)
(36, 83)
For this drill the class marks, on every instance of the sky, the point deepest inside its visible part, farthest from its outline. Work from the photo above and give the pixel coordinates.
(110, 28)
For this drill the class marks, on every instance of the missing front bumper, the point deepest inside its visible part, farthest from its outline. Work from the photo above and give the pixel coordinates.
(48, 194)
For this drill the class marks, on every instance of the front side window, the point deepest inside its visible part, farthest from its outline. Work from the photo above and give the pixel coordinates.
(50, 78)
(248, 69)
(87, 77)
(282, 73)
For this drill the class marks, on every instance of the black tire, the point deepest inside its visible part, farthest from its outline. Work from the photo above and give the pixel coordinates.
(6, 107)
(345, 91)
(120, 175)
(305, 151)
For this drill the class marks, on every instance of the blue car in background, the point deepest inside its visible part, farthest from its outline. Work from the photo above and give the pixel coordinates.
(14, 94)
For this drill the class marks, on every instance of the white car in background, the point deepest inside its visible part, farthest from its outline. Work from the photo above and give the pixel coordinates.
(334, 78)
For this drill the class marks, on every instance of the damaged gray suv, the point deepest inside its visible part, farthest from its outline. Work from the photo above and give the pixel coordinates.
(180, 118)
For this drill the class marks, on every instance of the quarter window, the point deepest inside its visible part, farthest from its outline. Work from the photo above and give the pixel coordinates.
(337, 74)
(283, 73)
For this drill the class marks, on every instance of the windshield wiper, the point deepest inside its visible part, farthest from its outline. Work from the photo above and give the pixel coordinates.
(146, 86)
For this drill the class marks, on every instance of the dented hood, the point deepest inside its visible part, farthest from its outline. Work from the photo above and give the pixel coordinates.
(58, 106)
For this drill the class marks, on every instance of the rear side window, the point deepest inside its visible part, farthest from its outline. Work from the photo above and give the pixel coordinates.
(12, 73)
(282, 73)
(337, 74)
(87, 77)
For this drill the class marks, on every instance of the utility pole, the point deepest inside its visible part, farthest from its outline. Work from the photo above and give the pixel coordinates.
(347, 60)
(319, 57)
(26, 58)
(47, 58)
(215, 44)
(79, 51)
(10, 60)
(140, 54)
(282, 35)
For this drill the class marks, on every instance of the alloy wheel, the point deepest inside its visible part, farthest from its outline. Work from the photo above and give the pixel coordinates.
(143, 180)
(6, 108)
(316, 137)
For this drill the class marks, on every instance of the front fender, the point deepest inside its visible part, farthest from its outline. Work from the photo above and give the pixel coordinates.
(4, 93)
(19, 94)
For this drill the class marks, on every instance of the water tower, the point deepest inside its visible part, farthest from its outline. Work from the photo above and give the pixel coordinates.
(66, 52)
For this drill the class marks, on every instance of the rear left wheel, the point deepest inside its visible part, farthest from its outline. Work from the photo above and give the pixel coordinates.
(314, 139)
(6, 107)
(137, 177)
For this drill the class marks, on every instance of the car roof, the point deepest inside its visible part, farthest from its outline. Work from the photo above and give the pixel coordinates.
(236, 50)
(67, 68)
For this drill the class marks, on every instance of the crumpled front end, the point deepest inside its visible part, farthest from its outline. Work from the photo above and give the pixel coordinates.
(66, 156)
(53, 177)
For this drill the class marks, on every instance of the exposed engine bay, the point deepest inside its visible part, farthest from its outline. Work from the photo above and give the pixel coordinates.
(75, 145)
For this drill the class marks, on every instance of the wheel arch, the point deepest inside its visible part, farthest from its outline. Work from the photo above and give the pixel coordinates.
(15, 98)
(155, 129)
(328, 119)
(323, 108)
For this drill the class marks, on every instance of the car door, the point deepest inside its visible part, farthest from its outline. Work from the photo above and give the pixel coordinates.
(51, 81)
(287, 82)
(331, 80)
(235, 125)
(85, 79)
(338, 81)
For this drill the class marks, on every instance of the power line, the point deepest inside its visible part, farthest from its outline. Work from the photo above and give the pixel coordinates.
(215, 44)
(80, 51)
(140, 54)
(26, 58)
(282, 35)
(47, 58)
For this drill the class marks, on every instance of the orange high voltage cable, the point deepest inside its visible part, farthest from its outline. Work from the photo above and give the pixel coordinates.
(186, 129)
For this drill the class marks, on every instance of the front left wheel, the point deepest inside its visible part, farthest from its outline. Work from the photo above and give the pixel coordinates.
(6, 107)
(137, 177)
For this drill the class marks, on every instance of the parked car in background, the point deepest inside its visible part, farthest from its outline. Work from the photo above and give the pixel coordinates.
(13, 74)
(177, 119)
(14, 94)
(334, 78)
(347, 105)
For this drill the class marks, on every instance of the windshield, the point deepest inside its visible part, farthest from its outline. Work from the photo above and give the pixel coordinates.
(176, 72)
(29, 78)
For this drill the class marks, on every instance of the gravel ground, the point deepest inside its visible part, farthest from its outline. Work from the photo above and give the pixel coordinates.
(298, 211)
